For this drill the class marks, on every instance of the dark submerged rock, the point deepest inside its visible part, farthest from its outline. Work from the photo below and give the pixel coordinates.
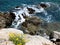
(17, 6)
(57, 42)
(31, 11)
(43, 5)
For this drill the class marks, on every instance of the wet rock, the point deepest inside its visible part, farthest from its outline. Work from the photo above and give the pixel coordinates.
(57, 41)
(55, 37)
(32, 24)
(35, 25)
(31, 11)
(43, 5)
(6, 19)
(12, 15)
(9, 18)
(17, 6)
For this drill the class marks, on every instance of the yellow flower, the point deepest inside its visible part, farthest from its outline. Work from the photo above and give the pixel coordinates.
(23, 39)
(17, 39)
(11, 34)
(19, 44)
(19, 35)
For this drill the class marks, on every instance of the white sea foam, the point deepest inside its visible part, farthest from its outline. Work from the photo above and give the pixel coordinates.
(48, 19)
(19, 19)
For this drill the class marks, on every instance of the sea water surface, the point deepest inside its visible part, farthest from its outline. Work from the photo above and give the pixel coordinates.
(7, 4)
(53, 13)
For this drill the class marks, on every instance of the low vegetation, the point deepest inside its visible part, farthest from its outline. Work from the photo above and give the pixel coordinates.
(17, 39)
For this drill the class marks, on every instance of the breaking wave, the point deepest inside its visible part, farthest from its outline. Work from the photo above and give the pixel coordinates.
(49, 12)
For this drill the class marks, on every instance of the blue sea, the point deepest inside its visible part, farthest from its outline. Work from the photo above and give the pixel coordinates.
(53, 12)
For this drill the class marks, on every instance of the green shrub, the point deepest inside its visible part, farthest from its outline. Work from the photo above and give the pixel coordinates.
(17, 39)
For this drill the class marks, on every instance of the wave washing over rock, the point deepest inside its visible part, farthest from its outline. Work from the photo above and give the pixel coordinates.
(24, 16)
(34, 20)
(25, 11)
(46, 11)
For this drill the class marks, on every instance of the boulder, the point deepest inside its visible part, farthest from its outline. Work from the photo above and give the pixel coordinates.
(57, 41)
(7, 43)
(43, 5)
(4, 35)
(17, 6)
(6, 19)
(31, 11)
(38, 40)
(7, 30)
(2, 22)
(31, 40)
(55, 38)
(32, 24)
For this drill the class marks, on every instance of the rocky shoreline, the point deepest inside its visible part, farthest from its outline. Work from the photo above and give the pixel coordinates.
(32, 40)
(6, 19)
(35, 28)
